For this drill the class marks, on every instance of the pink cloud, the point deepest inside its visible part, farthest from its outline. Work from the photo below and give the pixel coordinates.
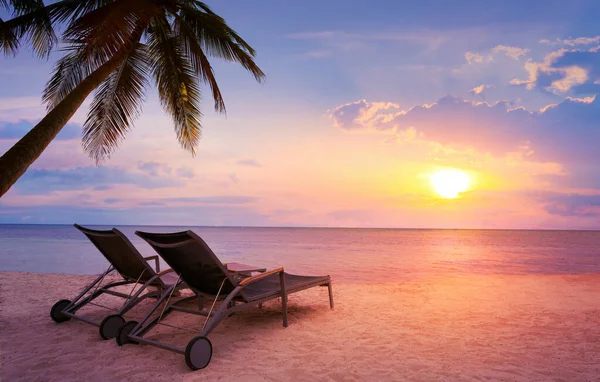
(572, 41)
(511, 51)
(476, 58)
(355, 115)
(570, 75)
(491, 128)
(479, 89)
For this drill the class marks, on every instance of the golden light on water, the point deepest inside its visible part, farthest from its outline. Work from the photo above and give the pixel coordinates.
(450, 183)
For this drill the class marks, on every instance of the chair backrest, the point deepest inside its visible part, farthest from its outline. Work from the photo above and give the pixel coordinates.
(119, 251)
(190, 257)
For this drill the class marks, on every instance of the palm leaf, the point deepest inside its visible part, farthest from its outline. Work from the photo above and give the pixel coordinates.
(176, 81)
(69, 71)
(32, 23)
(219, 40)
(111, 28)
(199, 5)
(8, 41)
(69, 10)
(117, 102)
(198, 59)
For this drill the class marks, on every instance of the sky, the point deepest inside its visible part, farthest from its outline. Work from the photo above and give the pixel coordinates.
(363, 101)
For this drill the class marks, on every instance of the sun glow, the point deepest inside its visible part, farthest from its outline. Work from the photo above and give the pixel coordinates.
(450, 183)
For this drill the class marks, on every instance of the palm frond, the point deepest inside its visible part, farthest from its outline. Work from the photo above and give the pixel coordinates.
(198, 60)
(117, 102)
(33, 23)
(69, 71)
(217, 39)
(112, 28)
(200, 6)
(177, 83)
(8, 41)
(69, 10)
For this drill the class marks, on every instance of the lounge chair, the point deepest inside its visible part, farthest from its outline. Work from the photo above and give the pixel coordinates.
(196, 264)
(135, 272)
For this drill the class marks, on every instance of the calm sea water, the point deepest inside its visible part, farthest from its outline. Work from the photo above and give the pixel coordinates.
(349, 255)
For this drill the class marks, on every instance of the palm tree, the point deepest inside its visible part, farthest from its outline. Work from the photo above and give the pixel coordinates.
(115, 47)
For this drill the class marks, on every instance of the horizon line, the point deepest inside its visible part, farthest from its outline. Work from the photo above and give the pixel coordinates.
(308, 227)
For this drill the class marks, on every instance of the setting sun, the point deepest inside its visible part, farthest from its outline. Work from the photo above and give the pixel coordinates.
(450, 183)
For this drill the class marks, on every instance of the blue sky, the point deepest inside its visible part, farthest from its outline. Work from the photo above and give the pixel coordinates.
(362, 101)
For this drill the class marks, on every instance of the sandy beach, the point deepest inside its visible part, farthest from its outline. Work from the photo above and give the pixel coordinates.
(508, 328)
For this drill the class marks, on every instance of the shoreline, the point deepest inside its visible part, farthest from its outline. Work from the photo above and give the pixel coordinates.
(461, 327)
(411, 280)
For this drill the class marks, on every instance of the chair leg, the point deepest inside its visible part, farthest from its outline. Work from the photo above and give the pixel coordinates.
(330, 295)
(284, 299)
(200, 302)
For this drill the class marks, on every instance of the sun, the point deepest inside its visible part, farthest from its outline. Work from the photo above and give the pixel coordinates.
(450, 183)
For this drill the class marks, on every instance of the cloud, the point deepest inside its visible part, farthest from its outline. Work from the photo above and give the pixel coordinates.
(347, 41)
(354, 115)
(16, 130)
(220, 199)
(185, 172)
(234, 178)
(573, 75)
(450, 120)
(479, 89)
(586, 60)
(151, 204)
(153, 168)
(476, 58)
(60, 154)
(511, 51)
(17, 109)
(316, 53)
(184, 215)
(249, 163)
(565, 133)
(582, 100)
(41, 182)
(561, 71)
(572, 41)
(111, 200)
(571, 204)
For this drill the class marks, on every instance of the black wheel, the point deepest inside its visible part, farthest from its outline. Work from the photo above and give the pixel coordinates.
(110, 326)
(198, 353)
(56, 313)
(123, 333)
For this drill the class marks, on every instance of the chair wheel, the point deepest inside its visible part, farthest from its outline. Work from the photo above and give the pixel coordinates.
(198, 353)
(110, 326)
(122, 335)
(56, 313)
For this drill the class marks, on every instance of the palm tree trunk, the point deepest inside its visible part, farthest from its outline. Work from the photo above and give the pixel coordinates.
(18, 158)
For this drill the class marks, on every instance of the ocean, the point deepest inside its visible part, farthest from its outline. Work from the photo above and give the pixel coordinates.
(348, 255)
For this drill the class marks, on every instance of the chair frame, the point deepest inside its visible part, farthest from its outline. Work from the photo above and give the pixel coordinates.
(64, 310)
(233, 302)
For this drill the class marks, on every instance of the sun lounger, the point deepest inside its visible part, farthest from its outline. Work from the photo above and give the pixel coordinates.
(135, 273)
(196, 265)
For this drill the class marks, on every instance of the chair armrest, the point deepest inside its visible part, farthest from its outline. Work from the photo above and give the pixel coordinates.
(156, 262)
(252, 279)
(169, 270)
